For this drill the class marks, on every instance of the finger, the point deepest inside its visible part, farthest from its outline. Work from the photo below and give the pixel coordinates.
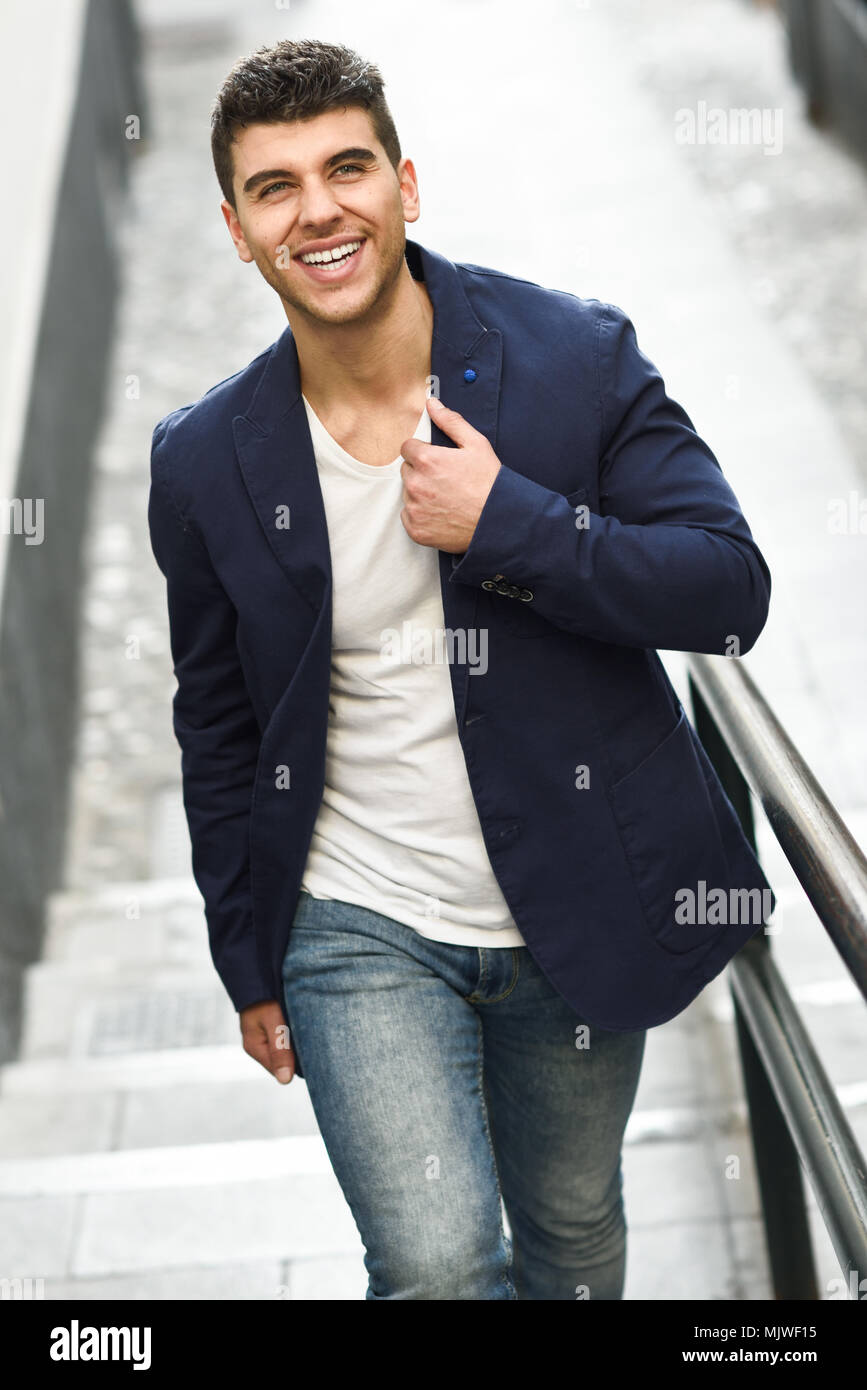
(413, 478)
(280, 1064)
(426, 458)
(450, 422)
(412, 450)
(255, 1042)
(285, 1069)
(282, 1057)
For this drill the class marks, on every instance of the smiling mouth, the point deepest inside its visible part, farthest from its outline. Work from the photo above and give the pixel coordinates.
(332, 264)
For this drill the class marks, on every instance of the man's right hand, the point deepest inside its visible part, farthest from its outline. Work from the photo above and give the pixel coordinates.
(266, 1038)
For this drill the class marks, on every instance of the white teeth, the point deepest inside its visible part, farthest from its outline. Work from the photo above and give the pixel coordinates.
(338, 253)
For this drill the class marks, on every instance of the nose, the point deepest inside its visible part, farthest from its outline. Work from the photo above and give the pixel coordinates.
(318, 205)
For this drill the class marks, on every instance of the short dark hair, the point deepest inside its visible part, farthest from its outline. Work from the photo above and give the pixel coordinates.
(291, 81)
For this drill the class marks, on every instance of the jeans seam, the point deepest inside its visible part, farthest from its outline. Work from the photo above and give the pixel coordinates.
(497, 998)
(477, 990)
(505, 1276)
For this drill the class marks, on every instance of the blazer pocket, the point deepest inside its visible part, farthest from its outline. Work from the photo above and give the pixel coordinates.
(672, 842)
(519, 616)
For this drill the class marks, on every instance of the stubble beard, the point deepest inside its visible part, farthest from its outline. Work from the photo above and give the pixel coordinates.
(326, 307)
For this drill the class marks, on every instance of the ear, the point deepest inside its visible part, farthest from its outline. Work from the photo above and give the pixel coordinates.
(235, 231)
(408, 190)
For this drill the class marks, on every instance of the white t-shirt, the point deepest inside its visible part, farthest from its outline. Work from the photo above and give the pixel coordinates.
(397, 830)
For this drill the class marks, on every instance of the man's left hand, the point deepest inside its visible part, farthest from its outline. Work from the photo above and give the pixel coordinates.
(444, 490)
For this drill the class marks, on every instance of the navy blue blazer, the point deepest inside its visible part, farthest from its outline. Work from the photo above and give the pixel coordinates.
(575, 603)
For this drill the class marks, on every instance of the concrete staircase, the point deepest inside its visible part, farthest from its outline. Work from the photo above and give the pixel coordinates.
(143, 1154)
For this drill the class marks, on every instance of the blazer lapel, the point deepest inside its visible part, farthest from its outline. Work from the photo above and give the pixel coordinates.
(275, 454)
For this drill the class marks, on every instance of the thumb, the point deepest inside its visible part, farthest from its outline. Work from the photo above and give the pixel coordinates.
(450, 422)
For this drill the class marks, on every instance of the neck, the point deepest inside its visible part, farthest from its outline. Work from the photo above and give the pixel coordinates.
(375, 360)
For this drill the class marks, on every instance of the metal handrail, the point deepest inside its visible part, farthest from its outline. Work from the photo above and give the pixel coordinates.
(827, 860)
(794, 1111)
(823, 1137)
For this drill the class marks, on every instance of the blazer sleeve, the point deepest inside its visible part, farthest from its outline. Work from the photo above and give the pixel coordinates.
(668, 562)
(219, 736)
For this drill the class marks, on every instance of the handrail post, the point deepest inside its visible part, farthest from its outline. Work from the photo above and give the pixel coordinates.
(778, 1168)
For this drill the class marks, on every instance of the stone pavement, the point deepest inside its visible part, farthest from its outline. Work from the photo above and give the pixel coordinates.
(142, 1153)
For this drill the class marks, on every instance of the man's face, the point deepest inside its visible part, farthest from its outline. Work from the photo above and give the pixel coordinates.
(323, 180)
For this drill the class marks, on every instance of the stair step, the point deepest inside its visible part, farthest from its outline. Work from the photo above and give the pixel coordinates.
(174, 1166)
(171, 1224)
(233, 1281)
(256, 1107)
(139, 1070)
(145, 920)
(107, 1006)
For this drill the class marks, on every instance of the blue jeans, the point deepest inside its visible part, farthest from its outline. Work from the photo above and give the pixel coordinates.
(448, 1082)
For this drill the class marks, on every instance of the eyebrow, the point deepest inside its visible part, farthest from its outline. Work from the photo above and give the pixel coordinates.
(263, 175)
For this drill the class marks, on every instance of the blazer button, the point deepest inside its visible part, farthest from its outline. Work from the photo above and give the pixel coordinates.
(525, 594)
(504, 588)
(492, 583)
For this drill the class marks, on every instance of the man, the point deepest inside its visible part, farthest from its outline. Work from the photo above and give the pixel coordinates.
(445, 806)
